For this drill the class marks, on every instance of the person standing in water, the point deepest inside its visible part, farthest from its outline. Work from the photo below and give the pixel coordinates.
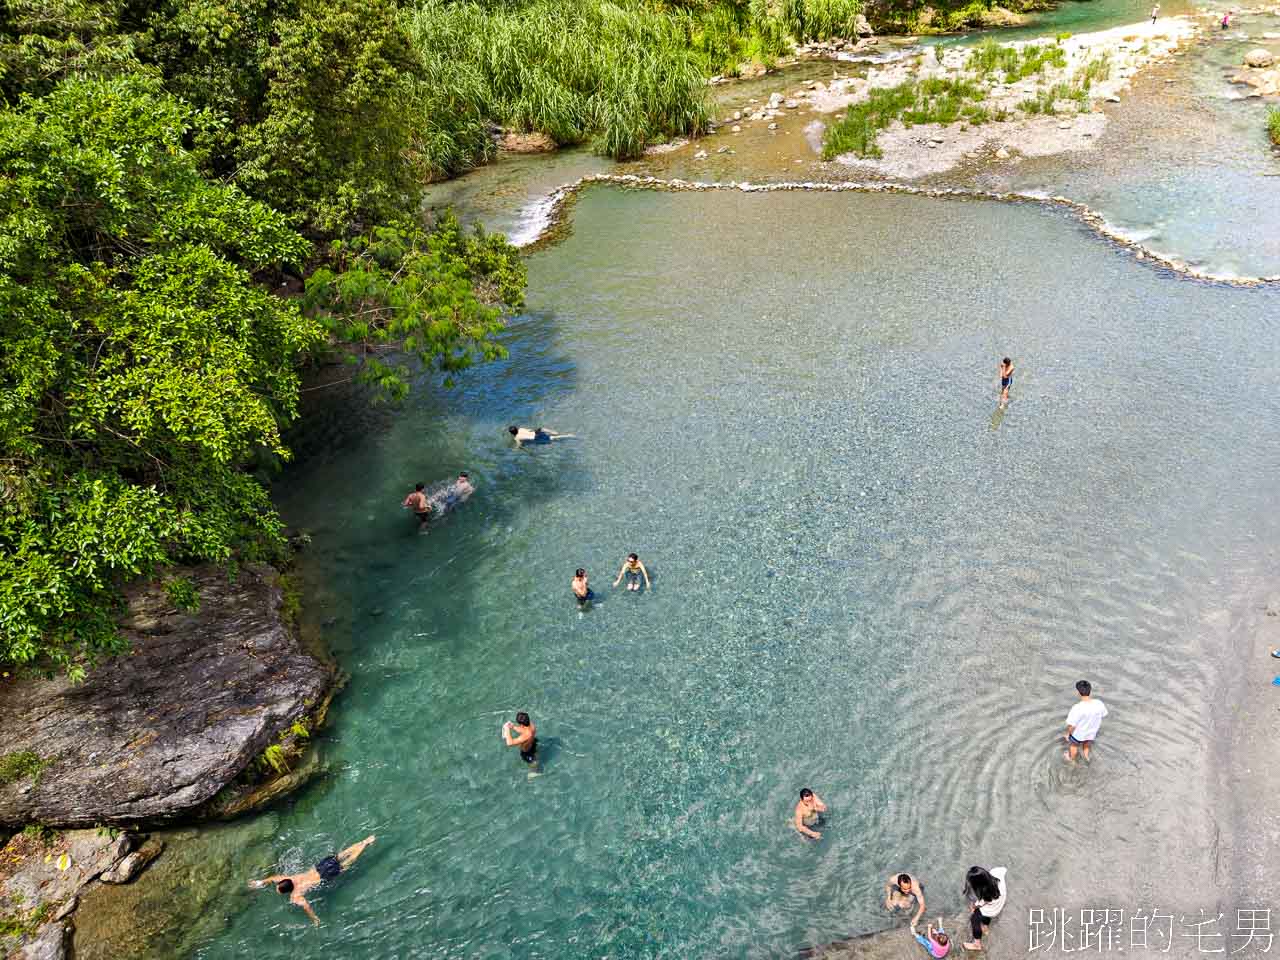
(581, 588)
(295, 885)
(1155, 12)
(900, 891)
(1083, 721)
(806, 815)
(1006, 379)
(524, 435)
(524, 735)
(633, 570)
(420, 505)
(1226, 19)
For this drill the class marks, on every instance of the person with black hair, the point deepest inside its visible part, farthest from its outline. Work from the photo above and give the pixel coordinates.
(524, 435)
(295, 885)
(522, 734)
(581, 588)
(807, 813)
(986, 889)
(1006, 379)
(1083, 721)
(418, 503)
(900, 890)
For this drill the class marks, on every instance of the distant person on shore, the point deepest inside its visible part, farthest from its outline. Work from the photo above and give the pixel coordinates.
(295, 885)
(1083, 721)
(524, 435)
(1226, 19)
(935, 941)
(900, 890)
(633, 570)
(1155, 12)
(986, 888)
(581, 588)
(807, 813)
(524, 735)
(420, 505)
(1006, 379)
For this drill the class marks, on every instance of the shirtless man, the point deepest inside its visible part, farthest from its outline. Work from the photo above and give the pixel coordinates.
(420, 505)
(581, 588)
(295, 885)
(524, 435)
(453, 494)
(522, 734)
(807, 810)
(899, 892)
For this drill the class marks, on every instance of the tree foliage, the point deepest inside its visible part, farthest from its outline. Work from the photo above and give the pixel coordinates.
(140, 364)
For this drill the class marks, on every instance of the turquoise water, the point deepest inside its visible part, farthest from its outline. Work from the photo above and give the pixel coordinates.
(867, 579)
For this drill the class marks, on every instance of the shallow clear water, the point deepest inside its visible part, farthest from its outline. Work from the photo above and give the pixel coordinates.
(867, 579)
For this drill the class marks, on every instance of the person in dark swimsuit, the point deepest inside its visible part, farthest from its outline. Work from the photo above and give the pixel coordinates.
(1006, 379)
(524, 435)
(522, 734)
(581, 588)
(420, 505)
(295, 885)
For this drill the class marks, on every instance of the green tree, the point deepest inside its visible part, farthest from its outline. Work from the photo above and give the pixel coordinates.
(140, 364)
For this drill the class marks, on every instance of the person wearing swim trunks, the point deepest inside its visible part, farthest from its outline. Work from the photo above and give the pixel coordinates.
(522, 734)
(806, 814)
(295, 885)
(581, 588)
(524, 435)
(420, 505)
(900, 890)
(633, 570)
(1006, 379)
(936, 941)
(452, 494)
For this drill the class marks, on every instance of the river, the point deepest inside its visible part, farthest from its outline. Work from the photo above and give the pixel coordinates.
(868, 578)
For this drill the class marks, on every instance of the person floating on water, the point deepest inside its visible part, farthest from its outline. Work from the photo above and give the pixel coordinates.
(935, 941)
(522, 734)
(1083, 721)
(421, 507)
(900, 890)
(633, 570)
(452, 494)
(524, 435)
(986, 888)
(1006, 379)
(295, 885)
(807, 811)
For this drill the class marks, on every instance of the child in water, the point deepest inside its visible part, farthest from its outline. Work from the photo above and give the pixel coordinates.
(1006, 379)
(581, 588)
(633, 570)
(935, 941)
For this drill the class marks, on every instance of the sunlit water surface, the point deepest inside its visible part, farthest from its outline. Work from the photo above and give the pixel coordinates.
(867, 579)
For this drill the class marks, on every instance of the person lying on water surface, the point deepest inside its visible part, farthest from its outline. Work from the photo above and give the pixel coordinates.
(295, 885)
(524, 435)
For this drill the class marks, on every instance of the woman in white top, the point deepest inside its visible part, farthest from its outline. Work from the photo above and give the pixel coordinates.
(987, 891)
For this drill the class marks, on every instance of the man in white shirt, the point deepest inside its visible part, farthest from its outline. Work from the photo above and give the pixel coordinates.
(1083, 722)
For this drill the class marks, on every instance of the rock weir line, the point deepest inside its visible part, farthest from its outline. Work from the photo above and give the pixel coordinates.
(557, 203)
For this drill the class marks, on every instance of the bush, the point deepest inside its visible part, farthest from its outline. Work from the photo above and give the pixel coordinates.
(1273, 124)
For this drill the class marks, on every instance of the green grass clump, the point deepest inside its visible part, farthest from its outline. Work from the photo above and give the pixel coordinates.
(940, 100)
(1273, 124)
(1095, 71)
(821, 19)
(991, 57)
(21, 765)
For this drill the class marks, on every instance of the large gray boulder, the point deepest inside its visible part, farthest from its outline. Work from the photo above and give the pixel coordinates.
(1259, 58)
(152, 735)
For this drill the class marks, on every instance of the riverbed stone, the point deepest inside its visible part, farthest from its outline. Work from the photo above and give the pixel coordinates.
(154, 734)
(1259, 57)
(50, 943)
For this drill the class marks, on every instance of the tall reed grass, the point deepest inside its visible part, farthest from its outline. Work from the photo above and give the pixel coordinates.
(578, 70)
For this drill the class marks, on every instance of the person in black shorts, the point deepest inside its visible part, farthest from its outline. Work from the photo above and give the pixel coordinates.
(1006, 379)
(420, 505)
(295, 885)
(581, 588)
(522, 734)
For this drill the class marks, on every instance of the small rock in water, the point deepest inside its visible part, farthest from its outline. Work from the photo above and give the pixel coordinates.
(1002, 154)
(935, 140)
(737, 114)
(1259, 58)
(1113, 99)
(700, 155)
(791, 104)
(735, 129)
(723, 150)
(773, 126)
(1064, 125)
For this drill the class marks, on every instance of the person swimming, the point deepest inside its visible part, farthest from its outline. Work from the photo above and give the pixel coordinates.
(524, 435)
(1006, 379)
(633, 570)
(522, 734)
(452, 494)
(295, 885)
(581, 588)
